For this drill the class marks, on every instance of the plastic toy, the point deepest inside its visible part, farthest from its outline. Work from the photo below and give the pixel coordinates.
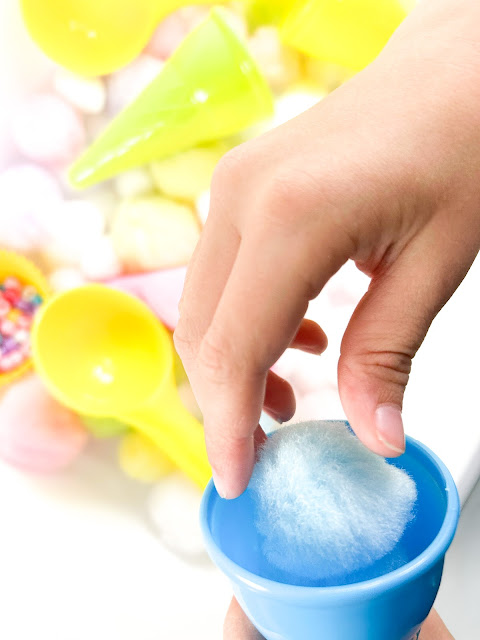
(92, 37)
(26, 273)
(210, 88)
(393, 605)
(350, 33)
(103, 353)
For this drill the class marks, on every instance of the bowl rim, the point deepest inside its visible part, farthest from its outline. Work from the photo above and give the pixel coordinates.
(422, 563)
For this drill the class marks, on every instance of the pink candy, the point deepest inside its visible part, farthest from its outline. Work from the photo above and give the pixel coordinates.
(36, 433)
(48, 130)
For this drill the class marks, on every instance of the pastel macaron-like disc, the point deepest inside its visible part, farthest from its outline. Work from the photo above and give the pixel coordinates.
(36, 433)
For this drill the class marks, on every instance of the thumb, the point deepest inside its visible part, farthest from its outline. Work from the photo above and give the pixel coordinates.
(384, 333)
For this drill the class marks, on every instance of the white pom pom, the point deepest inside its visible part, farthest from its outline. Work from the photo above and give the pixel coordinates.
(48, 130)
(99, 260)
(326, 505)
(174, 504)
(27, 193)
(86, 94)
(66, 278)
(72, 227)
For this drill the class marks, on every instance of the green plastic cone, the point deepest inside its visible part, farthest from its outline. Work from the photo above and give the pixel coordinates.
(210, 88)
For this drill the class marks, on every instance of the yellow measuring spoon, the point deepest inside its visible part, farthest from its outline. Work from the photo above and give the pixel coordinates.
(103, 353)
(95, 37)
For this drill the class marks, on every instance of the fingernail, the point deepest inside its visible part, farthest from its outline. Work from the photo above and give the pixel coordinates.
(218, 485)
(389, 425)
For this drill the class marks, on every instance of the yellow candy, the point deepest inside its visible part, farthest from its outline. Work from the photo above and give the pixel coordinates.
(188, 174)
(13, 315)
(95, 37)
(141, 459)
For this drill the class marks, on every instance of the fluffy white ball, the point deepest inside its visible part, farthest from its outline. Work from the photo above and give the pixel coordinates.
(27, 194)
(326, 505)
(48, 130)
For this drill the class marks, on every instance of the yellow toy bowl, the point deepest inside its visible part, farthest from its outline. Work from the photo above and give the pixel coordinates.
(13, 264)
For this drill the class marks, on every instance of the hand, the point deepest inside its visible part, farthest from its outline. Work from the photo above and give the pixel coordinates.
(238, 626)
(384, 171)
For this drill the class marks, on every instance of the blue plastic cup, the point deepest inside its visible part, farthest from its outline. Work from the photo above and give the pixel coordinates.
(391, 606)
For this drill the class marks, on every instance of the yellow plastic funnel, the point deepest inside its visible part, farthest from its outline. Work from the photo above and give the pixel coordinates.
(347, 32)
(103, 353)
(208, 89)
(95, 37)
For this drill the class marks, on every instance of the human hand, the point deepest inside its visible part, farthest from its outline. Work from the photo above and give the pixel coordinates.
(238, 626)
(384, 171)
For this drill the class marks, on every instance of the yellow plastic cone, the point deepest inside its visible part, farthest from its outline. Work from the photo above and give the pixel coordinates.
(210, 88)
(346, 32)
(95, 37)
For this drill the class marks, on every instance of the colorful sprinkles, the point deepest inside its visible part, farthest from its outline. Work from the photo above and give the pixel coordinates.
(18, 304)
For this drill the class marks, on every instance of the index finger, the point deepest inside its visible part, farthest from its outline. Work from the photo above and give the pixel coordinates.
(260, 310)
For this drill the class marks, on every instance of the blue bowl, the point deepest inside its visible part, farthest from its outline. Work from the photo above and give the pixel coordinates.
(377, 604)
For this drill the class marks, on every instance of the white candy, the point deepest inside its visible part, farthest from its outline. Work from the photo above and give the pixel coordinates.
(326, 506)
(125, 85)
(133, 183)
(48, 130)
(294, 103)
(66, 278)
(202, 205)
(99, 260)
(72, 227)
(173, 506)
(279, 64)
(27, 194)
(105, 198)
(86, 94)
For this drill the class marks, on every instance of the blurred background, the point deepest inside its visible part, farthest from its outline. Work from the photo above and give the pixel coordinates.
(99, 535)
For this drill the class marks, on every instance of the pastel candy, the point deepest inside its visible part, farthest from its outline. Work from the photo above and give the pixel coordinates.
(99, 260)
(167, 36)
(71, 227)
(48, 130)
(188, 174)
(66, 278)
(86, 94)
(133, 183)
(154, 233)
(36, 433)
(141, 459)
(160, 290)
(125, 85)
(27, 194)
(280, 65)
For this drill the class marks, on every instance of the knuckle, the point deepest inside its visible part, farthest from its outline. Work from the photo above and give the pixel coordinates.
(184, 341)
(215, 360)
(229, 169)
(291, 192)
(391, 367)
